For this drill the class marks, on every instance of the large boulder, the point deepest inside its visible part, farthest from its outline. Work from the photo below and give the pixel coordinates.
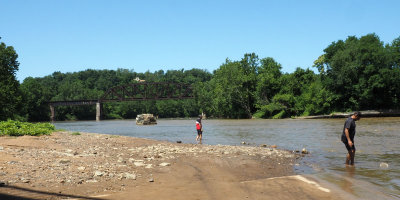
(145, 119)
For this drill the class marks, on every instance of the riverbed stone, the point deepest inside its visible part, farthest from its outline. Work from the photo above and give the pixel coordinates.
(64, 161)
(98, 173)
(139, 164)
(304, 151)
(130, 176)
(384, 165)
(121, 160)
(164, 164)
(81, 168)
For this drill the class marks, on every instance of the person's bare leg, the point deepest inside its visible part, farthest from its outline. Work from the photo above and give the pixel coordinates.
(348, 158)
(352, 155)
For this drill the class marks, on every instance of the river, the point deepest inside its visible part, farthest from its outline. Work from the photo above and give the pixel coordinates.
(377, 161)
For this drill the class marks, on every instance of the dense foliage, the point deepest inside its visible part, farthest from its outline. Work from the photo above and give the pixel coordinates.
(17, 128)
(91, 84)
(354, 74)
(9, 93)
(362, 73)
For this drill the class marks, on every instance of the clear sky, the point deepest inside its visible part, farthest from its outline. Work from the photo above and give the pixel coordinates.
(75, 35)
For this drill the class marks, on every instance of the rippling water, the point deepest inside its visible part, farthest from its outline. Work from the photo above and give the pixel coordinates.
(377, 142)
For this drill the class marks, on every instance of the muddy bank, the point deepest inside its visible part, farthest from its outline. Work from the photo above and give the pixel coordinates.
(64, 165)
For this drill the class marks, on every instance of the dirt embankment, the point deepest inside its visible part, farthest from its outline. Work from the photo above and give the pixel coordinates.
(95, 166)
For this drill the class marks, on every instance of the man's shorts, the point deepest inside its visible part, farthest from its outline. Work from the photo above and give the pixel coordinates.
(199, 132)
(348, 146)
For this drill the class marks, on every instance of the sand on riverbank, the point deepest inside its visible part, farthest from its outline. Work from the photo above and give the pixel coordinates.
(97, 166)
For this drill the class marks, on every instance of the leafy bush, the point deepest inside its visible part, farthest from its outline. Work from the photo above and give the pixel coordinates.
(17, 128)
(75, 133)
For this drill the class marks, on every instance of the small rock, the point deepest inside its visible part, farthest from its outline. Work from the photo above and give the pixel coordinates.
(69, 150)
(274, 146)
(64, 161)
(263, 145)
(139, 164)
(178, 141)
(165, 164)
(81, 168)
(304, 151)
(25, 180)
(91, 181)
(1, 148)
(130, 176)
(98, 173)
(151, 179)
(243, 142)
(149, 166)
(384, 165)
(2, 184)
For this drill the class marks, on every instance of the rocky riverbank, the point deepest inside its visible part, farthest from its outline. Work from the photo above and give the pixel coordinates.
(95, 166)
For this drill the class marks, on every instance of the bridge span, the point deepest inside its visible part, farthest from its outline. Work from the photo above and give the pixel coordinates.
(131, 92)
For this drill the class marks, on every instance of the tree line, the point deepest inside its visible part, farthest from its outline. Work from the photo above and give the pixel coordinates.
(353, 74)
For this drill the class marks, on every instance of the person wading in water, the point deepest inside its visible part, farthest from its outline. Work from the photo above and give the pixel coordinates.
(199, 128)
(349, 130)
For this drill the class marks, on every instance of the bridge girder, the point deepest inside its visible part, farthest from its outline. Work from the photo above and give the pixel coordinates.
(148, 91)
(132, 92)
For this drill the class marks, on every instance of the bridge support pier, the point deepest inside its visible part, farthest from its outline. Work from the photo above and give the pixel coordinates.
(53, 113)
(98, 111)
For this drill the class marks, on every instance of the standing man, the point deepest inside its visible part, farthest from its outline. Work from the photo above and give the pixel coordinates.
(349, 130)
(199, 128)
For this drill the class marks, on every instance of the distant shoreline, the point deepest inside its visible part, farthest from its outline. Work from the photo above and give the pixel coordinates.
(366, 113)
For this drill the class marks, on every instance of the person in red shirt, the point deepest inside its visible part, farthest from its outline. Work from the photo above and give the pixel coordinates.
(199, 128)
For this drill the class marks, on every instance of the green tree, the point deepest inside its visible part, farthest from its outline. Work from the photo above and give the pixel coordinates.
(357, 71)
(36, 98)
(268, 83)
(10, 97)
(232, 93)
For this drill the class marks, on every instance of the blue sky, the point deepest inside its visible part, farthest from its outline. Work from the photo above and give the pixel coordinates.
(74, 35)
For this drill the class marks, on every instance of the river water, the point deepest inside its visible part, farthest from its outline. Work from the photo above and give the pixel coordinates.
(377, 161)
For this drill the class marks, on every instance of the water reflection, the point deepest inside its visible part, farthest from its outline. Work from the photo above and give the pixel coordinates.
(348, 181)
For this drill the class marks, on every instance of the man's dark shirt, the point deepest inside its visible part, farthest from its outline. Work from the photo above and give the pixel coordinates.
(351, 125)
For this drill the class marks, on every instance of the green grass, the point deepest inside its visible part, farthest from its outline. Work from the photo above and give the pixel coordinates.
(17, 128)
(75, 133)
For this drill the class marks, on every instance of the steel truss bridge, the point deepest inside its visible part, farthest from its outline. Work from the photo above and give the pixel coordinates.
(132, 92)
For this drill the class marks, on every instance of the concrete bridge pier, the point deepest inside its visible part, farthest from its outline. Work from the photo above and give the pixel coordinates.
(53, 113)
(98, 111)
